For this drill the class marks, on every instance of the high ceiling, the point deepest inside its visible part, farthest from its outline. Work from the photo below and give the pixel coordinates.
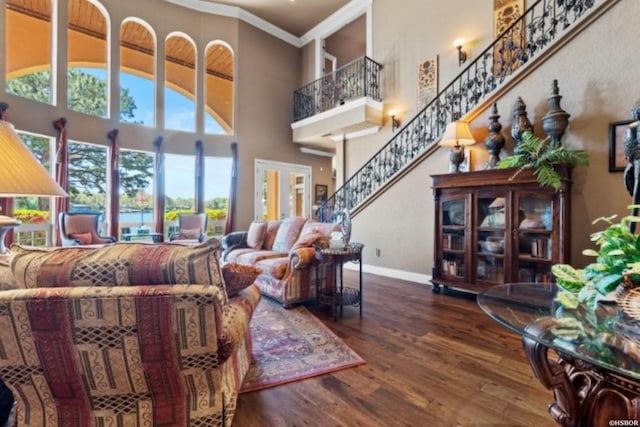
(294, 16)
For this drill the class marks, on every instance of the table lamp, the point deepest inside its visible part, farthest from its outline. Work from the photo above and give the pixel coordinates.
(457, 135)
(20, 175)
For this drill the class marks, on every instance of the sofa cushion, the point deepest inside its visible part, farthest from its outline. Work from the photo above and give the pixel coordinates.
(7, 281)
(270, 235)
(118, 264)
(288, 233)
(256, 234)
(275, 268)
(253, 256)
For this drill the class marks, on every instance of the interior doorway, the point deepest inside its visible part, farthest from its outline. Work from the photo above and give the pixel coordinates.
(282, 190)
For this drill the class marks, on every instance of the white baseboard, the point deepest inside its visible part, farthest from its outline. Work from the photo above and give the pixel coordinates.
(423, 279)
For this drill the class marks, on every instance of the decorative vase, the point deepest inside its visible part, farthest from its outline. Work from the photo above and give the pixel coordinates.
(346, 226)
(495, 140)
(555, 122)
(521, 123)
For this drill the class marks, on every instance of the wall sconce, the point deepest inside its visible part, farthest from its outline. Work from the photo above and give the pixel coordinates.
(462, 55)
(395, 122)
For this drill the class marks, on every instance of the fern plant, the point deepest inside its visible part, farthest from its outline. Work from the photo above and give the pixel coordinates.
(538, 154)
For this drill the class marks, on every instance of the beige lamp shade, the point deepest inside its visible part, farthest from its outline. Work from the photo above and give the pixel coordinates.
(457, 133)
(20, 172)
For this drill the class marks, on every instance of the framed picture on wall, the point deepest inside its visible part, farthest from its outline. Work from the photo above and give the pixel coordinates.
(320, 195)
(617, 160)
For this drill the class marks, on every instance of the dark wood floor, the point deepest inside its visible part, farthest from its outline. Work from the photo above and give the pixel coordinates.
(432, 360)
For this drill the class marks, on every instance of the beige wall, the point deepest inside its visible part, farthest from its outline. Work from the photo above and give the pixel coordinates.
(268, 71)
(596, 83)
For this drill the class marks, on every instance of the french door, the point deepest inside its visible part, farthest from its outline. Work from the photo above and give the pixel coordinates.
(282, 190)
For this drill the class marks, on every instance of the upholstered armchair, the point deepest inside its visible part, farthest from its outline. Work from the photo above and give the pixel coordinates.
(81, 229)
(192, 227)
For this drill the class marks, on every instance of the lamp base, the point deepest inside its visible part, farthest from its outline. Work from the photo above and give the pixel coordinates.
(6, 224)
(457, 157)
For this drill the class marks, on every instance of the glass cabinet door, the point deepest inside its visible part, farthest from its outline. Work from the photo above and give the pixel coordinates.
(535, 243)
(491, 237)
(454, 216)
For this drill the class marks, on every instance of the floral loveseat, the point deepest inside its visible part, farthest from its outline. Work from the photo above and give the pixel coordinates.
(126, 334)
(284, 251)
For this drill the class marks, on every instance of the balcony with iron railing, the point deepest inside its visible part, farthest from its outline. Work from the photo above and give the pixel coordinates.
(346, 100)
(533, 35)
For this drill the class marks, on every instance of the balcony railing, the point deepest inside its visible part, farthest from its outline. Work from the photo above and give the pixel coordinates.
(527, 37)
(357, 79)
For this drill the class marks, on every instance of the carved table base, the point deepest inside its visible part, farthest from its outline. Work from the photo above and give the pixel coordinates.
(584, 395)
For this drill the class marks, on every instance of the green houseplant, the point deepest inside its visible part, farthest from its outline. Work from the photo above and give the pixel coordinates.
(617, 262)
(541, 156)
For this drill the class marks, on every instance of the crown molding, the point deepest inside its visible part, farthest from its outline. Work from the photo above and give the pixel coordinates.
(337, 20)
(238, 13)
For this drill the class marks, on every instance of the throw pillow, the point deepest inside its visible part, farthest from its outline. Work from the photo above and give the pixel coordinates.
(119, 264)
(288, 233)
(84, 238)
(270, 235)
(256, 234)
(188, 234)
(308, 240)
(238, 277)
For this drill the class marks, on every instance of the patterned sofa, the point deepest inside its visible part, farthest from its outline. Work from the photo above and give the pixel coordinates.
(284, 251)
(126, 334)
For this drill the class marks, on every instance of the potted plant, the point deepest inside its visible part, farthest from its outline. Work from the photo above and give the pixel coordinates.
(617, 263)
(538, 154)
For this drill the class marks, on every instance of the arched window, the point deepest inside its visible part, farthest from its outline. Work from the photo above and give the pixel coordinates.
(28, 70)
(180, 83)
(218, 93)
(87, 66)
(137, 71)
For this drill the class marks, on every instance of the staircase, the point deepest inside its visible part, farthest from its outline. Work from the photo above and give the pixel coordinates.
(541, 31)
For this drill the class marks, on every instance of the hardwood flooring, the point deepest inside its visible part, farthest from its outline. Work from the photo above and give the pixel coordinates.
(432, 360)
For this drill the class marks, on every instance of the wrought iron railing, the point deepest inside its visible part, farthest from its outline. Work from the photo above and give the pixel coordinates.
(527, 37)
(357, 79)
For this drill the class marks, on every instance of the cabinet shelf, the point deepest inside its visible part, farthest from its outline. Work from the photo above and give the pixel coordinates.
(475, 208)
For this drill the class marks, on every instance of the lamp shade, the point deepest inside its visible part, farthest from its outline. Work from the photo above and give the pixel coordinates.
(457, 133)
(20, 172)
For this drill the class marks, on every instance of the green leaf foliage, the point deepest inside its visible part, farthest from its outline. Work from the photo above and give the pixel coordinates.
(617, 255)
(538, 154)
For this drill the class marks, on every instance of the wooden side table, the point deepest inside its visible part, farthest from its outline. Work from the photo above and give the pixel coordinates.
(341, 295)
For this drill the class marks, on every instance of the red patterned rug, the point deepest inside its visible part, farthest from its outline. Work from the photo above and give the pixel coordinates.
(291, 345)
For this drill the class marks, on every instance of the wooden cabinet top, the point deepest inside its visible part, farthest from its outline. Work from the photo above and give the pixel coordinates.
(483, 178)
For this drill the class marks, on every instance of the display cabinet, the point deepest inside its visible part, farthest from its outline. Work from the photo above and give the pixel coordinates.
(493, 228)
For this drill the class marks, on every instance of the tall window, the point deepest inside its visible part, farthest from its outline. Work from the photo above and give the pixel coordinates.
(87, 58)
(35, 212)
(137, 70)
(180, 186)
(136, 189)
(87, 177)
(218, 89)
(217, 182)
(180, 76)
(28, 70)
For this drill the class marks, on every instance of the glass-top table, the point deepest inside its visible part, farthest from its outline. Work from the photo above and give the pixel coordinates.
(594, 368)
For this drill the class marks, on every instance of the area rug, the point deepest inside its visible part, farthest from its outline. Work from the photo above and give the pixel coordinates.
(291, 345)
